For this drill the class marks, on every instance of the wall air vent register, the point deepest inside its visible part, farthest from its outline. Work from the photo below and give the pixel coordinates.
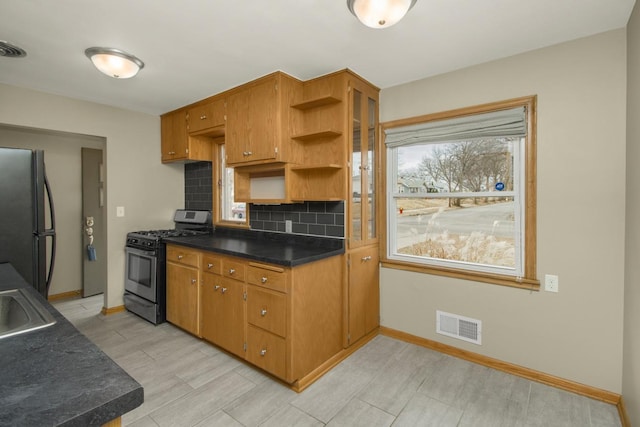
(459, 327)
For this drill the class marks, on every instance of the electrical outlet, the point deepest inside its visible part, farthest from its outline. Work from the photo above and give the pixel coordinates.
(119, 211)
(288, 226)
(550, 283)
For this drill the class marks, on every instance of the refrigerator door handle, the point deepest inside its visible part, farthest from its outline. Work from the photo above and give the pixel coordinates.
(50, 232)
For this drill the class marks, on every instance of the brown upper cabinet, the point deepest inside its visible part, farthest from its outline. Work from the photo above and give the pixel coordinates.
(174, 136)
(176, 143)
(324, 149)
(287, 140)
(257, 121)
(207, 118)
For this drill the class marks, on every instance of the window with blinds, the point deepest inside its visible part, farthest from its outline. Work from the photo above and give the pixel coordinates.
(460, 190)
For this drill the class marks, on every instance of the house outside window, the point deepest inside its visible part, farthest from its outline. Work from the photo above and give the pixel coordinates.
(460, 193)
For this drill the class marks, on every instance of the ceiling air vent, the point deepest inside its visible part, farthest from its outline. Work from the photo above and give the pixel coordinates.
(11, 51)
(460, 327)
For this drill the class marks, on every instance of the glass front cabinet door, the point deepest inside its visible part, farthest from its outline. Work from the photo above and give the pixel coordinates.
(364, 123)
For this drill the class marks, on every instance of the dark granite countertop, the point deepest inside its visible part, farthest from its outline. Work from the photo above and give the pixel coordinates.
(56, 377)
(288, 250)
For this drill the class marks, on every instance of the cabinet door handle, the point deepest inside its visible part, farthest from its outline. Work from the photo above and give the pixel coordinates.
(171, 153)
(193, 281)
(263, 312)
(224, 290)
(204, 116)
(263, 352)
(232, 271)
(263, 280)
(209, 265)
(180, 257)
(216, 287)
(247, 153)
(366, 258)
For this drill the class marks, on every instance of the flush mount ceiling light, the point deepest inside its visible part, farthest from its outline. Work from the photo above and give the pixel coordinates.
(114, 62)
(380, 13)
(11, 51)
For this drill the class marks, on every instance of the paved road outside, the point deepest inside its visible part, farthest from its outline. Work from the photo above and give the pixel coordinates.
(495, 219)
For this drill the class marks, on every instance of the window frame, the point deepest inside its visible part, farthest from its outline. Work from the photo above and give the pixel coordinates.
(528, 280)
(219, 167)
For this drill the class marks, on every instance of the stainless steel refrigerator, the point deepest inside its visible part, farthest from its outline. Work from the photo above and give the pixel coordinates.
(24, 195)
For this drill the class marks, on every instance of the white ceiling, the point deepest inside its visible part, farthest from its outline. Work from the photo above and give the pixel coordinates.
(196, 48)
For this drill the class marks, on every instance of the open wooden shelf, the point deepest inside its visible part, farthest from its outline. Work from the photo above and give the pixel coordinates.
(316, 102)
(311, 167)
(311, 136)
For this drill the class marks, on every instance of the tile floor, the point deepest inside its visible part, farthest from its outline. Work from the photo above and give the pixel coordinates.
(188, 382)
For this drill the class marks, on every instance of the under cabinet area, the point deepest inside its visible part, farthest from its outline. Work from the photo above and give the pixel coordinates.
(288, 321)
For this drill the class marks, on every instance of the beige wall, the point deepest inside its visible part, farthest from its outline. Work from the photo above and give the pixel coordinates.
(631, 366)
(149, 190)
(577, 333)
(64, 170)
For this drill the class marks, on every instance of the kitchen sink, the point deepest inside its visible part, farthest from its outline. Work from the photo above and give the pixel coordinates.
(20, 312)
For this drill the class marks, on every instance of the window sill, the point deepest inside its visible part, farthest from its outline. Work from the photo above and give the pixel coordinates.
(232, 224)
(494, 279)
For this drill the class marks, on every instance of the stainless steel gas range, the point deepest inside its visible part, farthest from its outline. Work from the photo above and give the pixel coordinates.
(145, 281)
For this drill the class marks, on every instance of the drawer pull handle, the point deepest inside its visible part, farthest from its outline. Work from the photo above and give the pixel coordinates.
(180, 256)
(247, 153)
(232, 271)
(216, 287)
(203, 117)
(264, 279)
(209, 265)
(366, 258)
(263, 312)
(224, 290)
(263, 352)
(193, 281)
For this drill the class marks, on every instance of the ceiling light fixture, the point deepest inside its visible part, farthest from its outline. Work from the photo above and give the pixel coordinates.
(9, 50)
(114, 62)
(380, 13)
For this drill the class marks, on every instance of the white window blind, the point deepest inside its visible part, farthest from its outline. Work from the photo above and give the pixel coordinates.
(501, 123)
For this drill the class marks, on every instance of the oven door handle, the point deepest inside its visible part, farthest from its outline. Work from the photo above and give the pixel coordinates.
(140, 252)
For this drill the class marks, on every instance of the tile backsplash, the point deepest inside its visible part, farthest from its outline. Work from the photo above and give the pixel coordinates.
(198, 186)
(312, 218)
(315, 218)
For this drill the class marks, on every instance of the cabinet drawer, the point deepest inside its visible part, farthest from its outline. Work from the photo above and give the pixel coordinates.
(211, 264)
(267, 351)
(267, 310)
(206, 116)
(182, 255)
(234, 269)
(270, 277)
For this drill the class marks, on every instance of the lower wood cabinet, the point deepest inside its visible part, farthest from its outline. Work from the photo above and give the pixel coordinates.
(267, 351)
(294, 317)
(183, 281)
(364, 293)
(286, 321)
(222, 312)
